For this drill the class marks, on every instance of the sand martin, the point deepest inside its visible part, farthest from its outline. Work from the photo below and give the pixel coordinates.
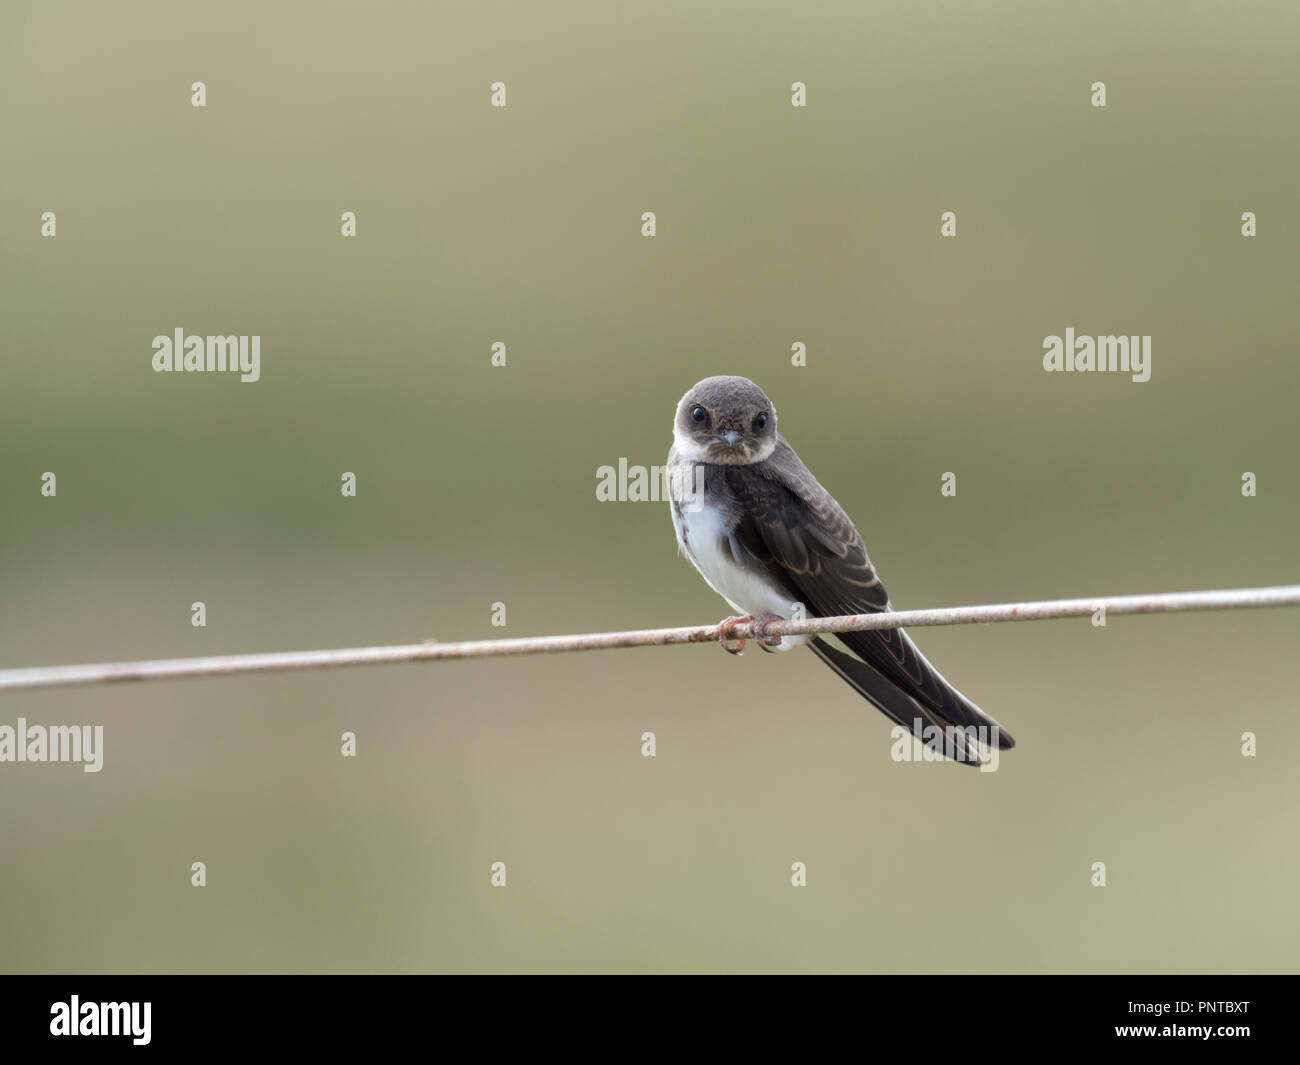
(767, 536)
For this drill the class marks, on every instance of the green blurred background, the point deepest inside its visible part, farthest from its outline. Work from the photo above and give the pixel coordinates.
(476, 484)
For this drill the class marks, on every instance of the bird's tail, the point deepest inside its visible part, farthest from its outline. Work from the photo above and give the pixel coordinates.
(948, 731)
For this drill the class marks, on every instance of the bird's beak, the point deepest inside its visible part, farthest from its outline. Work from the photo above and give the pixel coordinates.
(731, 436)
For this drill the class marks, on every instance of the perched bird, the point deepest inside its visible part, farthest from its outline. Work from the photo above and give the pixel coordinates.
(771, 541)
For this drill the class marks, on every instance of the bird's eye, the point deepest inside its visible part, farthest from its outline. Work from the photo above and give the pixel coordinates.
(698, 414)
(760, 422)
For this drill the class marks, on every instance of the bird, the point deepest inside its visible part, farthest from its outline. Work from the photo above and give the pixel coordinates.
(770, 540)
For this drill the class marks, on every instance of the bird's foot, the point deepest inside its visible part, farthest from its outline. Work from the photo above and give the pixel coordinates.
(726, 630)
(726, 633)
(766, 642)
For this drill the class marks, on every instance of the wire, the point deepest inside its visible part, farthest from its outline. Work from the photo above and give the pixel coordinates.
(225, 665)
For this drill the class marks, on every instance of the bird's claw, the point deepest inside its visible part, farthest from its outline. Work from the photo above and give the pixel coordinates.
(726, 633)
(767, 643)
(726, 629)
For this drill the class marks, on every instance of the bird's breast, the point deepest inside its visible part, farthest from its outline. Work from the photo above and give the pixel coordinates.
(704, 535)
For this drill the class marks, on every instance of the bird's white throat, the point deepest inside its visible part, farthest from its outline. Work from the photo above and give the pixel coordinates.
(693, 451)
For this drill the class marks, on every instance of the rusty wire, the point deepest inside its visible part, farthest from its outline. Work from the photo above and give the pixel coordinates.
(225, 665)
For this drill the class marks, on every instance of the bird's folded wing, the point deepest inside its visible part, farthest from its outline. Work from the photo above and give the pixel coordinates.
(791, 527)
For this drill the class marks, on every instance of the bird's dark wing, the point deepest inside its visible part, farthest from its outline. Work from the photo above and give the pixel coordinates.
(896, 705)
(788, 524)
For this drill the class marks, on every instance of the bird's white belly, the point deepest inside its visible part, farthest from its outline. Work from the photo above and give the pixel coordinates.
(702, 536)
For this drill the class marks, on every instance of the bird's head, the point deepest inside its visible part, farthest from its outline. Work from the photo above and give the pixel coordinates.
(725, 420)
